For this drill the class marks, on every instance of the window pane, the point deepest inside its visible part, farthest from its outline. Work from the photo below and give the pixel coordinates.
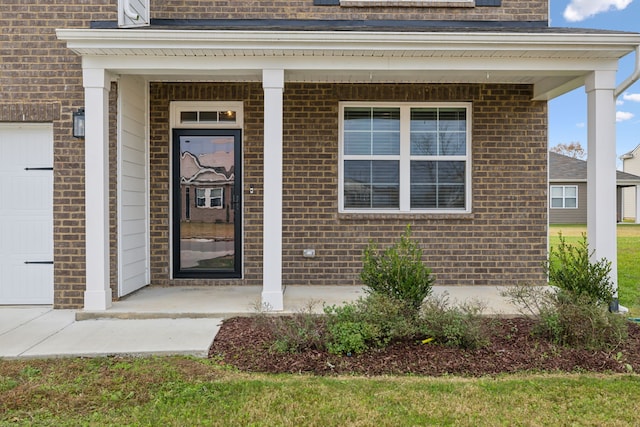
(556, 192)
(570, 203)
(452, 144)
(451, 196)
(386, 143)
(227, 116)
(570, 191)
(188, 116)
(556, 203)
(424, 119)
(386, 119)
(423, 172)
(357, 143)
(385, 172)
(437, 184)
(209, 116)
(386, 196)
(357, 171)
(450, 172)
(371, 184)
(452, 119)
(424, 143)
(356, 118)
(423, 196)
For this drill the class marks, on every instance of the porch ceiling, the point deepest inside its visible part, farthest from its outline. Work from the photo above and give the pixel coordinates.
(554, 62)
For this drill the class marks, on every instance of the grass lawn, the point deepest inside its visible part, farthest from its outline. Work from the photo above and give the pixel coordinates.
(183, 391)
(628, 259)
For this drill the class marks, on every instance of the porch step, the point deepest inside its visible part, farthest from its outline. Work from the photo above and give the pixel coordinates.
(118, 315)
(155, 302)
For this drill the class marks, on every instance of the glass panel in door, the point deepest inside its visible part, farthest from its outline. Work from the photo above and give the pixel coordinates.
(206, 203)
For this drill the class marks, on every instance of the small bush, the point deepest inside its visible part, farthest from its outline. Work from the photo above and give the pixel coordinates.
(295, 333)
(350, 337)
(568, 319)
(453, 326)
(373, 321)
(397, 272)
(571, 269)
(578, 322)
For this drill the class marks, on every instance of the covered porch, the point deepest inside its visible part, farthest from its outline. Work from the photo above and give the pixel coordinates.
(552, 61)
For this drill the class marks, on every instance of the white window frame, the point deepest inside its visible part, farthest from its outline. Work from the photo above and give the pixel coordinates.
(405, 157)
(210, 193)
(564, 197)
(178, 107)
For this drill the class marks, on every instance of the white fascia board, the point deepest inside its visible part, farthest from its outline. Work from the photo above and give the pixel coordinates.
(79, 40)
(200, 64)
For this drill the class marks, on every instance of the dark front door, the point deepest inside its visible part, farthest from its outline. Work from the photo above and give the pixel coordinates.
(207, 205)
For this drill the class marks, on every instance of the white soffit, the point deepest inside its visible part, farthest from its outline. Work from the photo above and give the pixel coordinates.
(554, 62)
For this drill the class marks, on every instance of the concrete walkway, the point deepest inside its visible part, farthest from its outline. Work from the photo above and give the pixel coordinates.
(173, 321)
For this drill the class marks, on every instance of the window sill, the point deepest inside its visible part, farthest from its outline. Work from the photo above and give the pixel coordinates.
(348, 216)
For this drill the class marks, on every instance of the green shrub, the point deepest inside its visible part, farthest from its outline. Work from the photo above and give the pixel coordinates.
(349, 337)
(453, 326)
(571, 269)
(578, 322)
(369, 322)
(397, 272)
(303, 330)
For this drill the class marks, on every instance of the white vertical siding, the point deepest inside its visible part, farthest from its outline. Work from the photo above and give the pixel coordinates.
(133, 196)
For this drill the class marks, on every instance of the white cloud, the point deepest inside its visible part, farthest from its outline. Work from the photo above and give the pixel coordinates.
(619, 102)
(579, 10)
(635, 97)
(621, 116)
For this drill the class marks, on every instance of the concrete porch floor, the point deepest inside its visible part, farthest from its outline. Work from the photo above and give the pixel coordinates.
(154, 302)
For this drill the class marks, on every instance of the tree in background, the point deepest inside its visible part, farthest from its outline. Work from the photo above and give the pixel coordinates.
(573, 149)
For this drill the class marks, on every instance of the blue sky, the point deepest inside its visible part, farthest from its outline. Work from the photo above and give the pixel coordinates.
(568, 113)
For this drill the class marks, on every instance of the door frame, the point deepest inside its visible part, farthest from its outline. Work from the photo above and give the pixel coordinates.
(236, 201)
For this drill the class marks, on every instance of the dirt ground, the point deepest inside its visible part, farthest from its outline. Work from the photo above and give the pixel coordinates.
(244, 343)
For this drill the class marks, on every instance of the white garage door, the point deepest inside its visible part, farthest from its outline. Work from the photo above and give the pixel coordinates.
(26, 214)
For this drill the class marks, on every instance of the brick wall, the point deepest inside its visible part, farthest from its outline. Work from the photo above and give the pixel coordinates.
(511, 10)
(502, 242)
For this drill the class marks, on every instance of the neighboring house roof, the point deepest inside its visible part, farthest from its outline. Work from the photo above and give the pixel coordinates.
(631, 154)
(566, 169)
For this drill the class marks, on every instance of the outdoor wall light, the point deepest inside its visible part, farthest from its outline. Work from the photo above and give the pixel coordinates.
(78, 123)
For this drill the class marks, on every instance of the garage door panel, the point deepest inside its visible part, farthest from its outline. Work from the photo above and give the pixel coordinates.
(23, 194)
(26, 214)
(21, 283)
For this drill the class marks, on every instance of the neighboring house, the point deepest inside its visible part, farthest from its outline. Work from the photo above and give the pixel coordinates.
(568, 189)
(347, 120)
(630, 196)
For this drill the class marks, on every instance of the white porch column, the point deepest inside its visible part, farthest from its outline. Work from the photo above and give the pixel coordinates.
(637, 220)
(96, 93)
(601, 169)
(273, 85)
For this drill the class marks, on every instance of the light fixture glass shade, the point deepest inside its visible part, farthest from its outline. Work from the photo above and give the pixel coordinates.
(78, 123)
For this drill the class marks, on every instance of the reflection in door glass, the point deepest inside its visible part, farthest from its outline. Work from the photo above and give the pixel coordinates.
(207, 173)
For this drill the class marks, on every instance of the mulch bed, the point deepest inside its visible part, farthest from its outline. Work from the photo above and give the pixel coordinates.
(244, 343)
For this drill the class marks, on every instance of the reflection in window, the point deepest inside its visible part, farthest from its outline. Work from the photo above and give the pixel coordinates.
(209, 198)
(405, 158)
